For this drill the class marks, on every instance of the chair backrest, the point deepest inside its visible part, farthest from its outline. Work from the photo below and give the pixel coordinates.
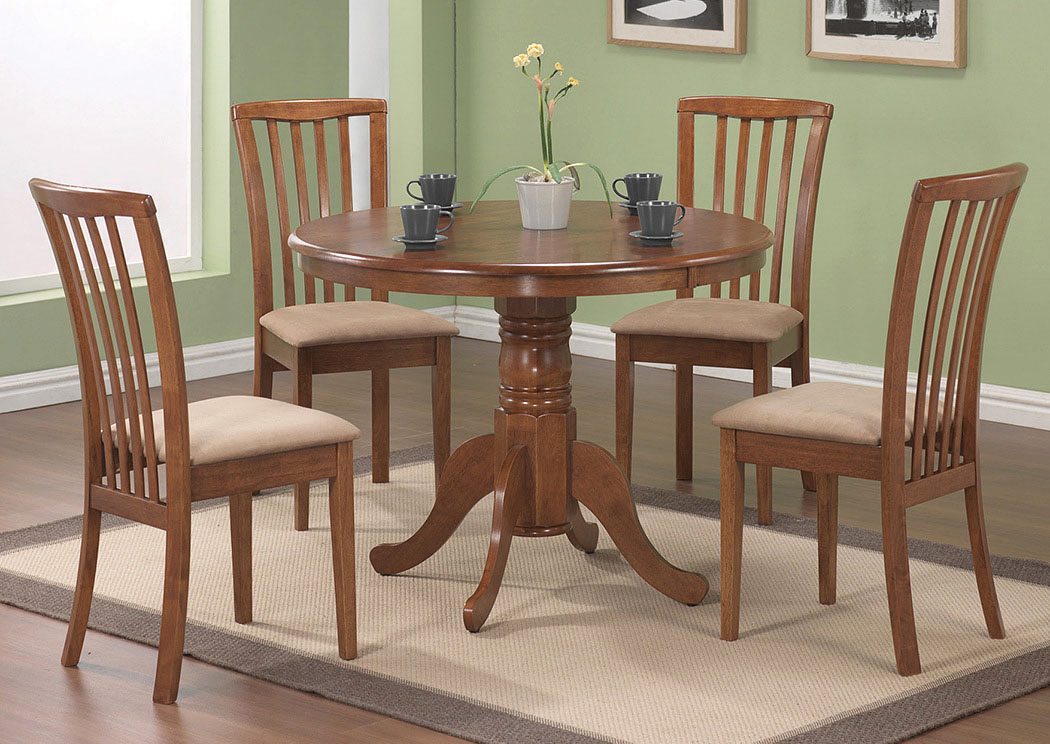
(748, 114)
(289, 116)
(952, 321)
(108, 335)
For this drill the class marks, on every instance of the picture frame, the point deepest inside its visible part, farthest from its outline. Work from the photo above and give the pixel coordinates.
(902, 32)
(696, 25)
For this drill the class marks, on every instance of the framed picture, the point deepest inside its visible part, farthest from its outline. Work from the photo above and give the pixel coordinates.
(902, 32)
(699, 25)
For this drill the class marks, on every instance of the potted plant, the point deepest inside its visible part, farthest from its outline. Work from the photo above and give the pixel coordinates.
(544, 194)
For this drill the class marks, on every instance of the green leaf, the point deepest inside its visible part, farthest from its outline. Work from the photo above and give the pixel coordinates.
(601, 177)
(497, 175)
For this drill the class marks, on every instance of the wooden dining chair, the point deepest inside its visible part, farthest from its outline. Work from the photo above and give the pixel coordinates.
(228, 446)
(739, 330)
(835, 429)
(313, 333)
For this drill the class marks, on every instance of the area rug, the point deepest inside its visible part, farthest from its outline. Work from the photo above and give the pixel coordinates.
(577, 648)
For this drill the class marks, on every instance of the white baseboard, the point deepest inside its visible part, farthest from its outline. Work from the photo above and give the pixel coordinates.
(62, 384)
(1001, 404)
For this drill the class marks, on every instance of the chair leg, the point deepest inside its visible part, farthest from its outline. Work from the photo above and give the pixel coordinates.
(441, 404)
(827, 534)
(762, 384)
(898, 580)
(732, 521)
(263, 382)
(241, 543)
(173, 610)
(341, 511)
(683, 417)
(800, 376)
(78, 617)
(302, 395)
(982, 566)
(380, 425)
(624, 404)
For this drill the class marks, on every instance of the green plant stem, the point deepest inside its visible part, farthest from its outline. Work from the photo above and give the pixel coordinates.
(550, 142)
(543, 142)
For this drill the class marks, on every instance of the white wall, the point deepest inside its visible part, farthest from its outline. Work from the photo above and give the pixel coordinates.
(101, 93)
(369, 78)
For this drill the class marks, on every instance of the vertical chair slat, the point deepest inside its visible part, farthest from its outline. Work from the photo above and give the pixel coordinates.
(952, 380)
(122, 385)
(969, 371)
(740, 186)
(96, 322)
(303, 194)
(346, 187)
(346, 184)
(283, 219)
(780, 226)
(322, 190)
(377, 159)
(719, 201)
(936, 461)
(742, 152)
(143, 441)
(321, 152)
(686, 157)
(923, 383)
(754, 287)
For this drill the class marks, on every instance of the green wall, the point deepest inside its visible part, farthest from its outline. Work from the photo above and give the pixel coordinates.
(893, 124)
(458, 104)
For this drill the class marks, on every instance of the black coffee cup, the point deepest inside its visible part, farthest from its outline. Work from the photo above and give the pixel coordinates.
(640, 187)
(420, 221)
(434, 188)
(656, 218)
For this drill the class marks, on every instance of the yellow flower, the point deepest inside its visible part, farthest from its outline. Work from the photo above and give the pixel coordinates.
(573, 81)
(558, 67)
(534, 50)
(521, 60)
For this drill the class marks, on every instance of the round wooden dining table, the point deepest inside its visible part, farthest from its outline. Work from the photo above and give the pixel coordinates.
(539, 471)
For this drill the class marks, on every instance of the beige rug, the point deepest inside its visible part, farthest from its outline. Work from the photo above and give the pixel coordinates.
(578, 648)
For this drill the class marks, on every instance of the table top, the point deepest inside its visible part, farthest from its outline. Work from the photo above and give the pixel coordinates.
(489, 254)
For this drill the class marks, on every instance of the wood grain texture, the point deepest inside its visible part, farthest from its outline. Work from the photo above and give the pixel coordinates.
(272, 352)
(116, 482)
(944, 450)
(792, 347)
(41, 459)
(488, 254)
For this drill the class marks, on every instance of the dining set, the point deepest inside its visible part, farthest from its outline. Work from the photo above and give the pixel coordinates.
(750, 250)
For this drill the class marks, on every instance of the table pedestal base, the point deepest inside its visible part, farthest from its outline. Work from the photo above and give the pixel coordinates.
(538, 471)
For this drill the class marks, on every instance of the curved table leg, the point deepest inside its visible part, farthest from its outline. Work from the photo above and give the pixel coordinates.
(599, 484)
(582, 534)
(465, 480)
(513, 488)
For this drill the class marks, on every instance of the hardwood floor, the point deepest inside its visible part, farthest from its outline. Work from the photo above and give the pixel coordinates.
(107, 699)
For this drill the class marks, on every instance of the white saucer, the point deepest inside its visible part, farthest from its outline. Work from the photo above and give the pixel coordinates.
(660, 239)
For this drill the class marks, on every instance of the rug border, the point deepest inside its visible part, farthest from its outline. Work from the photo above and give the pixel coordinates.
(967, 693)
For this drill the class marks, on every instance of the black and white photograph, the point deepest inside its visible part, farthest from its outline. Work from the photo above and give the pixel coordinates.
(706, 14)
(697, 25)
(883, 19)
(907, 32)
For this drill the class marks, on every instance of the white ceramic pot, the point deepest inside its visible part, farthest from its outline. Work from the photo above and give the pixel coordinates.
(544, 204)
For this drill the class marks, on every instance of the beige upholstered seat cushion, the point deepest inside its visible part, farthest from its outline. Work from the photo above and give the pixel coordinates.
(321, 323)
(832, 411)
(709, 317)
(237, 426)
